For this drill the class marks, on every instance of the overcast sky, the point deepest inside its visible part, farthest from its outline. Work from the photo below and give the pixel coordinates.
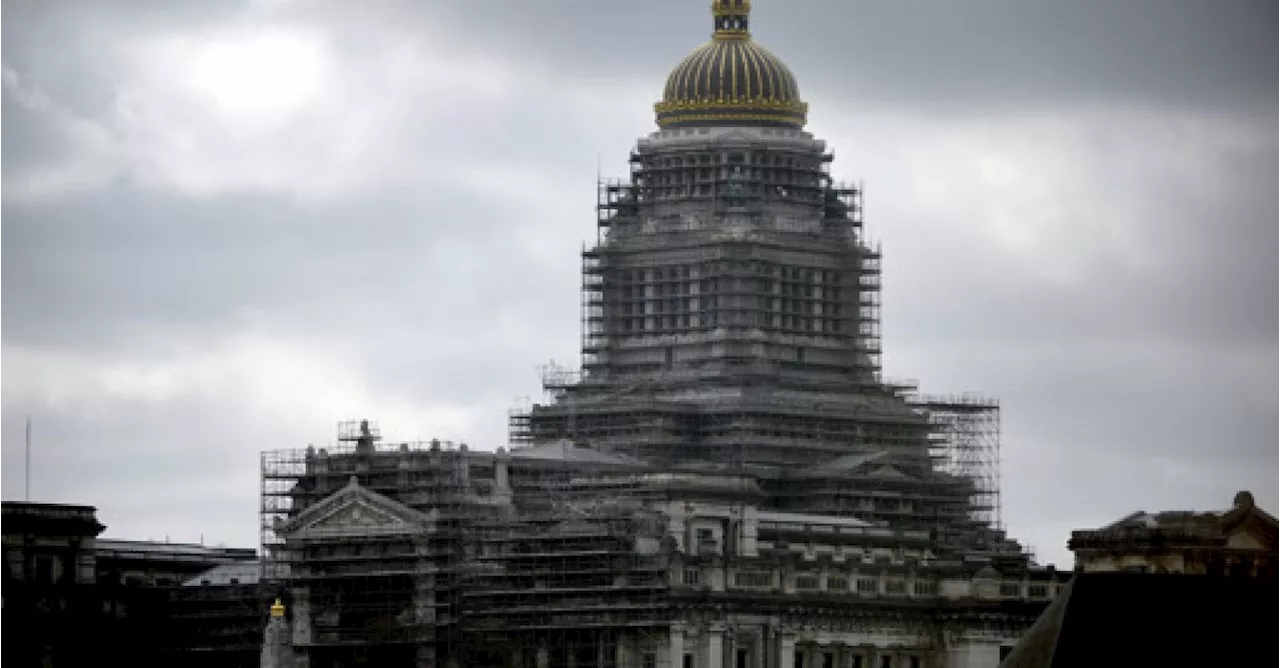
(229, 225)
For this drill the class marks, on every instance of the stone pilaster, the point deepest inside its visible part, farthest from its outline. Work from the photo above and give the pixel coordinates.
(715, 647)
(542, 659)
(301, 617)
(623, 653)
(675, 646)
(425, 656)
(786, 650)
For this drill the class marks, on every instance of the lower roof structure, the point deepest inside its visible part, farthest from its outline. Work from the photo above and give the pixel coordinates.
(1138, 619)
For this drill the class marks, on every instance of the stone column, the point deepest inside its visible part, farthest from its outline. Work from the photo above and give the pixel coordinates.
(425, 656)
(542, 659)
(301, 617)
(715, 647)
(973, 654)
(622, 652)
(675, 646)
(276, 651)
(787, 650)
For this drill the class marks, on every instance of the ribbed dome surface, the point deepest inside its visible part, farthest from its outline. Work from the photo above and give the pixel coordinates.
(731, 80)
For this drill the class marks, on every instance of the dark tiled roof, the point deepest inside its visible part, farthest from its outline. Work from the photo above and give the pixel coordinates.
(1128, 619)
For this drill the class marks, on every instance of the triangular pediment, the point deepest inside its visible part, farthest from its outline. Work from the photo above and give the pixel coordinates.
(1245, 540)
(1255, 531)
(357, 510)
(574, 526)
(889, 472)
(357, 514)
(851, 462)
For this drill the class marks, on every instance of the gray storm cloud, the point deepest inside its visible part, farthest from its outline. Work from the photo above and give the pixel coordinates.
(377, 211)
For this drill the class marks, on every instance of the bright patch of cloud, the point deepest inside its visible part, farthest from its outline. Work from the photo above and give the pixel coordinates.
(1031, 187)
(306, 385)
(274, 110)
(251, 74)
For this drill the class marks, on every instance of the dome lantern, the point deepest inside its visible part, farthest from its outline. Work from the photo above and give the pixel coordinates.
(731, 17)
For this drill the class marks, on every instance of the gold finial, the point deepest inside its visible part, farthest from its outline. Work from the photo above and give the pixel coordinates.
(277, 609)
(730, 17)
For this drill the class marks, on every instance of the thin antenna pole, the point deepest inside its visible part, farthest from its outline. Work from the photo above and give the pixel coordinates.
(28, 462)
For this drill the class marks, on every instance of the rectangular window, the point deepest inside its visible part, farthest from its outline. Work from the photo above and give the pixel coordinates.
(1010, 589)
(913, 662)
(925, 588)
(868, 586)
(895, 587)
(649, 660)
(45, 571)
(753, 579)
(692, 577)
(886, 662)
(1039, 591)
(806, 582)
(837, 585)
(856, 661)
(828, 660)
(688, 661)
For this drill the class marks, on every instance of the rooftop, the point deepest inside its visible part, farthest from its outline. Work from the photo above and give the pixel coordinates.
(1152, 620)
(152, 550)
(242, 572)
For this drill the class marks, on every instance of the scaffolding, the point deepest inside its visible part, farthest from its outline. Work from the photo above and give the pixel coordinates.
(966, 443)
(377, 597)
(828, 308)
(518, 555)
(576, 582)
(729, 322)
(761, 276)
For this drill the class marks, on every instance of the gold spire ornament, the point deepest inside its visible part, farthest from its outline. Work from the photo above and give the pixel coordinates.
(277, 609)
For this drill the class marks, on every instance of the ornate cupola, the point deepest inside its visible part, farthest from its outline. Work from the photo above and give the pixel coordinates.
(731, 17)
(731, 80)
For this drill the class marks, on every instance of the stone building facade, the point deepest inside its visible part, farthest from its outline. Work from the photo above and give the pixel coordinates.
(727, 482)
(72, 598)
(1240, 541)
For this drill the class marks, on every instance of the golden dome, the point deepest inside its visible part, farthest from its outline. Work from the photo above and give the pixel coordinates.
(731, 80)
